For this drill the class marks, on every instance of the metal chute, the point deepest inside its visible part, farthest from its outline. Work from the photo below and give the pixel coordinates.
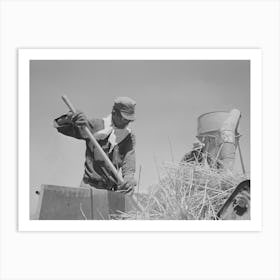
(218, 131)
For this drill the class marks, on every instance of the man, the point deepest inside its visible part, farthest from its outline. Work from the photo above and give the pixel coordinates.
(196, 154)
(115, 138)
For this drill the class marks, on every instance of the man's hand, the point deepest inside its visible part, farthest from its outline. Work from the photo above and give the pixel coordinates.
(78, 118)
(128, 185)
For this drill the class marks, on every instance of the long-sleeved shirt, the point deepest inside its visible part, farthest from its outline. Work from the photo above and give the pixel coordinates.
(121, 152)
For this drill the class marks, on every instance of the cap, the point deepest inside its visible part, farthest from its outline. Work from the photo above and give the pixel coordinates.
(126, 106)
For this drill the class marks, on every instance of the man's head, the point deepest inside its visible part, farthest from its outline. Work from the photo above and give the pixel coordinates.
(123, 111)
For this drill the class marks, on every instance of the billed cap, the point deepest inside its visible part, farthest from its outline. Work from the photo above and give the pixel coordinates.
(126, 106)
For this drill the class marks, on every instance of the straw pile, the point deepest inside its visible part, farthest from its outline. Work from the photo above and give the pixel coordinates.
(187, 190)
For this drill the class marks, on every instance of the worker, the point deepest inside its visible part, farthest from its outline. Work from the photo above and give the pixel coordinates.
(199, 154)
(196, 154)
(114, 136)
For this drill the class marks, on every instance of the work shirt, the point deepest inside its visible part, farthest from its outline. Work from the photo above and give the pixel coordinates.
(118, 144)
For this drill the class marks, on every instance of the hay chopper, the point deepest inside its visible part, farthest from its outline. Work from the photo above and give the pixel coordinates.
(218, 141)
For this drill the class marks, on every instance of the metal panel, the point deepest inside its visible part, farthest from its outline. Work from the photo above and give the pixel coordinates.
(68, 203)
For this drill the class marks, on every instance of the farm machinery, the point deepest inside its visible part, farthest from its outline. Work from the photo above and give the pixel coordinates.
(218, 137)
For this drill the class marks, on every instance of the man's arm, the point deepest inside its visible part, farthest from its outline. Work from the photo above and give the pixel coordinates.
(71, 125)
(129, 165)
(129, 160)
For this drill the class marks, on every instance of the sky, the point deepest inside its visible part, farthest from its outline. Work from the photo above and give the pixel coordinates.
(169, 95)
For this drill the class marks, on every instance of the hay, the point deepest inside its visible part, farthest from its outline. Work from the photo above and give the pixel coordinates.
(187, 190)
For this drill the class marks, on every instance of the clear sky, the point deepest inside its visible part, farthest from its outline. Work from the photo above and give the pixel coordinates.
(169, 95)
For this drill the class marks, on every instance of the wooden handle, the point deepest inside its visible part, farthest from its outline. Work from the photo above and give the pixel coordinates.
(95, 143)
(68, 103)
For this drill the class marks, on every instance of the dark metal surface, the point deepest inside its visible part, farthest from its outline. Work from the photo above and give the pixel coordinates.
(238, 205)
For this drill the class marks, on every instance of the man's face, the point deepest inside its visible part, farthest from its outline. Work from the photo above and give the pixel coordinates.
(118, 120)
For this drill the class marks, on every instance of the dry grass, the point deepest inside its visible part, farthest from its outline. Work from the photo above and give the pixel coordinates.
(188, 191)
